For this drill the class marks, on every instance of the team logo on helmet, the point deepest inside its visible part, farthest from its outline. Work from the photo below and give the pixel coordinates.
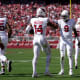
(41, 12)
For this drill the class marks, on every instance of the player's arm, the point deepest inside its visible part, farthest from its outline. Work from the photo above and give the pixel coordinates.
(29, 29)
(1, 44)
(75, 32)
(52, 24)
(9, 35)
(9, 29)
(76, 35)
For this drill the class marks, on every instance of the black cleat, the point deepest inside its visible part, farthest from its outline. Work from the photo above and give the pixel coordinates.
(76, 67)
(9, 67)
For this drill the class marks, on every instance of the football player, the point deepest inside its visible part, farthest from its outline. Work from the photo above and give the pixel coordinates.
(39, 24)
(3, 44)
(66, 26)
(77, 26)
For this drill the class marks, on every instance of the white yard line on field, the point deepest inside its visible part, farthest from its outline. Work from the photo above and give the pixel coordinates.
(28, 60)
(21, 60)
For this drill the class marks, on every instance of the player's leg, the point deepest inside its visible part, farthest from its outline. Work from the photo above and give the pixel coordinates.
(47, 50)
(69, 53)
(76, 54)
(8, 62)
(36, 50)
(4, 59)
(62, 55)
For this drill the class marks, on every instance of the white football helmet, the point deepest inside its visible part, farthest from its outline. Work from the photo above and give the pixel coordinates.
(41, 12)
(65, 15)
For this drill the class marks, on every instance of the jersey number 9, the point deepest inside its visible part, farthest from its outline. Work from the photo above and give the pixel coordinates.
(66, 28)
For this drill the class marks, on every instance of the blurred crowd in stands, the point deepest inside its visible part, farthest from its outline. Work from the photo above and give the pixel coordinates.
(19, 15)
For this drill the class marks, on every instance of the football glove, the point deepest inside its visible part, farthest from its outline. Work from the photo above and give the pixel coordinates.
(31, 31)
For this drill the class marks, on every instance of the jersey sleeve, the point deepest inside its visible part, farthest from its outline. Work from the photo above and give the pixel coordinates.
(47, 20)
(74, 22)
(56, 21)
(59, 22)
(31, 21)
(6, 22)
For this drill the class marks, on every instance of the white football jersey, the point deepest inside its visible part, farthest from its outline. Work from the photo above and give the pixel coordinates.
(39, 25)
(66, 28)
(77, 26)
(2, 26)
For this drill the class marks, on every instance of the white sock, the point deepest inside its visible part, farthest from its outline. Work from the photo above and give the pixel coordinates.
(34, 65)
(76, 58)
(76, 53)
(70, 62)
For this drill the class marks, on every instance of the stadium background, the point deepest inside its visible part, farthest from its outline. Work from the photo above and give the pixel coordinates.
(19, 13)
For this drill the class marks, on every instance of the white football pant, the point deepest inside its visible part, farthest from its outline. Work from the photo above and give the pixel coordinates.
(4, 40)
(40, 42)
(66, 44)
(76, 52)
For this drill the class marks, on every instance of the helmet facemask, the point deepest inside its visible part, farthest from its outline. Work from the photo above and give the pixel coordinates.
(65, 15)
(41, 12)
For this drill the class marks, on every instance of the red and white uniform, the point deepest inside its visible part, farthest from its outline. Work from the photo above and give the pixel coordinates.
(2, 26)
(66, 35)
(66, 28)
(66, 42)
(4, 41)
(77, 26)
(39, 25)
(3, 35)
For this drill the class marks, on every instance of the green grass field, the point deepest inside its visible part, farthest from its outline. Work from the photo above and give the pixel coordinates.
(22, 66)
